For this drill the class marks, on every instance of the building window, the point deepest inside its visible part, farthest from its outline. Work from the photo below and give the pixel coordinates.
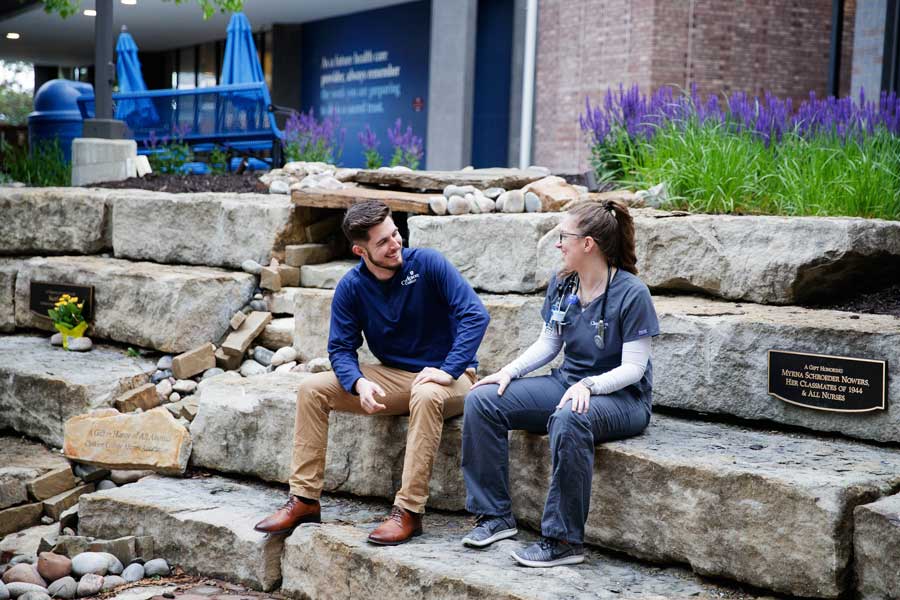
(206, 65)
(187, 72)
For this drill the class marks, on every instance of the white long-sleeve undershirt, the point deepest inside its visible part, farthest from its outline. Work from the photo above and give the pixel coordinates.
(635, 357)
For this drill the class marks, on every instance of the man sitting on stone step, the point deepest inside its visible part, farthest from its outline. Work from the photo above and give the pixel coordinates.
(424, 322)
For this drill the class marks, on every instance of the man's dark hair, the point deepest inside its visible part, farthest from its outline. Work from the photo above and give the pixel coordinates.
(362, 217)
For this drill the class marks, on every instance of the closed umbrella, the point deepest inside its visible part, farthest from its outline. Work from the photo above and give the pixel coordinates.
(137, 113)
(241, 63)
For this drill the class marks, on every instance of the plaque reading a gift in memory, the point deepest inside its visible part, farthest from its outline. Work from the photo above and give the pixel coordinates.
(832, 383)
(44, 295)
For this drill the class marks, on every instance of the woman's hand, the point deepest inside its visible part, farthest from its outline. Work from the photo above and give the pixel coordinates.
(500, 378)
(580, 397)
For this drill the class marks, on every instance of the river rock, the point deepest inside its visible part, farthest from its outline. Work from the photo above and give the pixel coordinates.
(111, 582)
(251, 368)
(55, 339)
(157, 566)
(513, 201)
(24, 573)
(17, 589)
(457, 205)
(263, 355)
(53, 566)
(35, 596)
(185, 386)
(532, 202)
(438, 205)
(89, 562)
(553, 192)
(65, 588)
(89, 585)
(284, 355)
(164, 388)
(150, 440)
(133, 572)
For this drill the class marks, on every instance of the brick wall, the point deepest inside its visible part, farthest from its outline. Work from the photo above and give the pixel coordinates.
(722, 46)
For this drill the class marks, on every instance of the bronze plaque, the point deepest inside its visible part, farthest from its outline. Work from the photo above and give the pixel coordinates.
(43, 296)
(832, 383)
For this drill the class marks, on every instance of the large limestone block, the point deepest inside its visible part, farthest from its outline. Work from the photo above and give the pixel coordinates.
(712, 357)
(495, 253)
(54, 220)
(151, 440)
(312, 314)
(768, 509)
(204, 525)
(325, 275)
(365, 454)
(334, 560)
(437, 180)
(41, 386)
(166, 307)
(213, 229)
(877, 549)
(277, 334)
(8, 270)
(770, 260)
(515, 325)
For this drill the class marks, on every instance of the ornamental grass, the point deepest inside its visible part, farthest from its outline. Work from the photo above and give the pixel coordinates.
(752, 155)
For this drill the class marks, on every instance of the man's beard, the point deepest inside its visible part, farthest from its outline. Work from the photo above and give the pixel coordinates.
(395, 267)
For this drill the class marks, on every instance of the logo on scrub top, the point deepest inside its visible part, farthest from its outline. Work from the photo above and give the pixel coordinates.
(410, 278)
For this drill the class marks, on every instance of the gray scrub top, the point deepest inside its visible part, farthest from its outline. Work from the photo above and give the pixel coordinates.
(629, 316)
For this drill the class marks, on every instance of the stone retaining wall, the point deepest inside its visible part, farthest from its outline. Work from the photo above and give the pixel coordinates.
(769, 260)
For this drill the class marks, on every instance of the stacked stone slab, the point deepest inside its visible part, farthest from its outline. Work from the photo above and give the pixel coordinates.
(204, 525)
(43, 385)
(770, 260)
(216, 230)
(169, 308)
(55, 221)
(29, 474)
(8, 269)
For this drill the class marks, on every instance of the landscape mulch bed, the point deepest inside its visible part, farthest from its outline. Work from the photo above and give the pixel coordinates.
(885, 301)
(247, 182)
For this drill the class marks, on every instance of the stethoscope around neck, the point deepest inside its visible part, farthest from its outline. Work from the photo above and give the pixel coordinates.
(568, 296)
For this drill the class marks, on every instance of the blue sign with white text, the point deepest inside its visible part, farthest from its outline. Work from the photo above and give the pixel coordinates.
(370, 69)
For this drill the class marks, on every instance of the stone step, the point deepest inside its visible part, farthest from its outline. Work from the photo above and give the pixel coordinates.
(877, 549)
(284, 301)
(710, 495)
(212, 229)
(766, 259)
(55, 221)
(9, 267)
(712, 357)
(701, 339)
(168, 308)
(41, 385)
(325, 275)
(334, 560)
(204, 524)
(26, 471)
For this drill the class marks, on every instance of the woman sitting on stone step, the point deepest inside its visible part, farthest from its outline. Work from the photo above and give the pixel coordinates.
(602, 314)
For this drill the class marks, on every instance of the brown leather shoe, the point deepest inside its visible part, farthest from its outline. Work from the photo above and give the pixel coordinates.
(400, 527)
(294, 512)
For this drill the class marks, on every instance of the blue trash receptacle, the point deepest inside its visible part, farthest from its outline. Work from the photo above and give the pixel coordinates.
(56, 114)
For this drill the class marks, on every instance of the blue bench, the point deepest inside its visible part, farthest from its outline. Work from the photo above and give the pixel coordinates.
(239, 119)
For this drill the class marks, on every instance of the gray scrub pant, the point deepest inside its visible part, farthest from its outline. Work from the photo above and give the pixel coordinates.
(530, 404)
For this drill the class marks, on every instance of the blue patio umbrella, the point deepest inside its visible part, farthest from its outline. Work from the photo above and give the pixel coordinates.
(241, 63)
(130, 79)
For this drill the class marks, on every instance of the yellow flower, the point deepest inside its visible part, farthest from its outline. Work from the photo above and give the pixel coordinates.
(73, 299)
(80, 306)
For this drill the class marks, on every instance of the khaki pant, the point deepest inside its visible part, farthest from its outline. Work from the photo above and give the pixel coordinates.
(426, 404)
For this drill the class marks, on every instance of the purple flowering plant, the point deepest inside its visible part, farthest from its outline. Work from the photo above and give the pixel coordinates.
(408, 147)
(369, 141)
(744, 153)
(307, 138)
(169, 153)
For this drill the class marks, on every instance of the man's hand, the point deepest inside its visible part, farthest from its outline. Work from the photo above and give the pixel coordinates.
(367, 390)
(500, 378)
(434, 375)
(580, 397)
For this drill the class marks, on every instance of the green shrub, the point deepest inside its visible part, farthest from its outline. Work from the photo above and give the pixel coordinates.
(45, 165)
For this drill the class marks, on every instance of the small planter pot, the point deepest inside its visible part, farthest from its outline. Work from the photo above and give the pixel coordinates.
(74, 332)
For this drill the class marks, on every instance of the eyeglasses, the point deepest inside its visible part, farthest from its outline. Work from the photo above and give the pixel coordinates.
(563, 235)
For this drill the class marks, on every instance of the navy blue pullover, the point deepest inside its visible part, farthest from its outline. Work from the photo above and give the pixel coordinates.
(426, 315)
